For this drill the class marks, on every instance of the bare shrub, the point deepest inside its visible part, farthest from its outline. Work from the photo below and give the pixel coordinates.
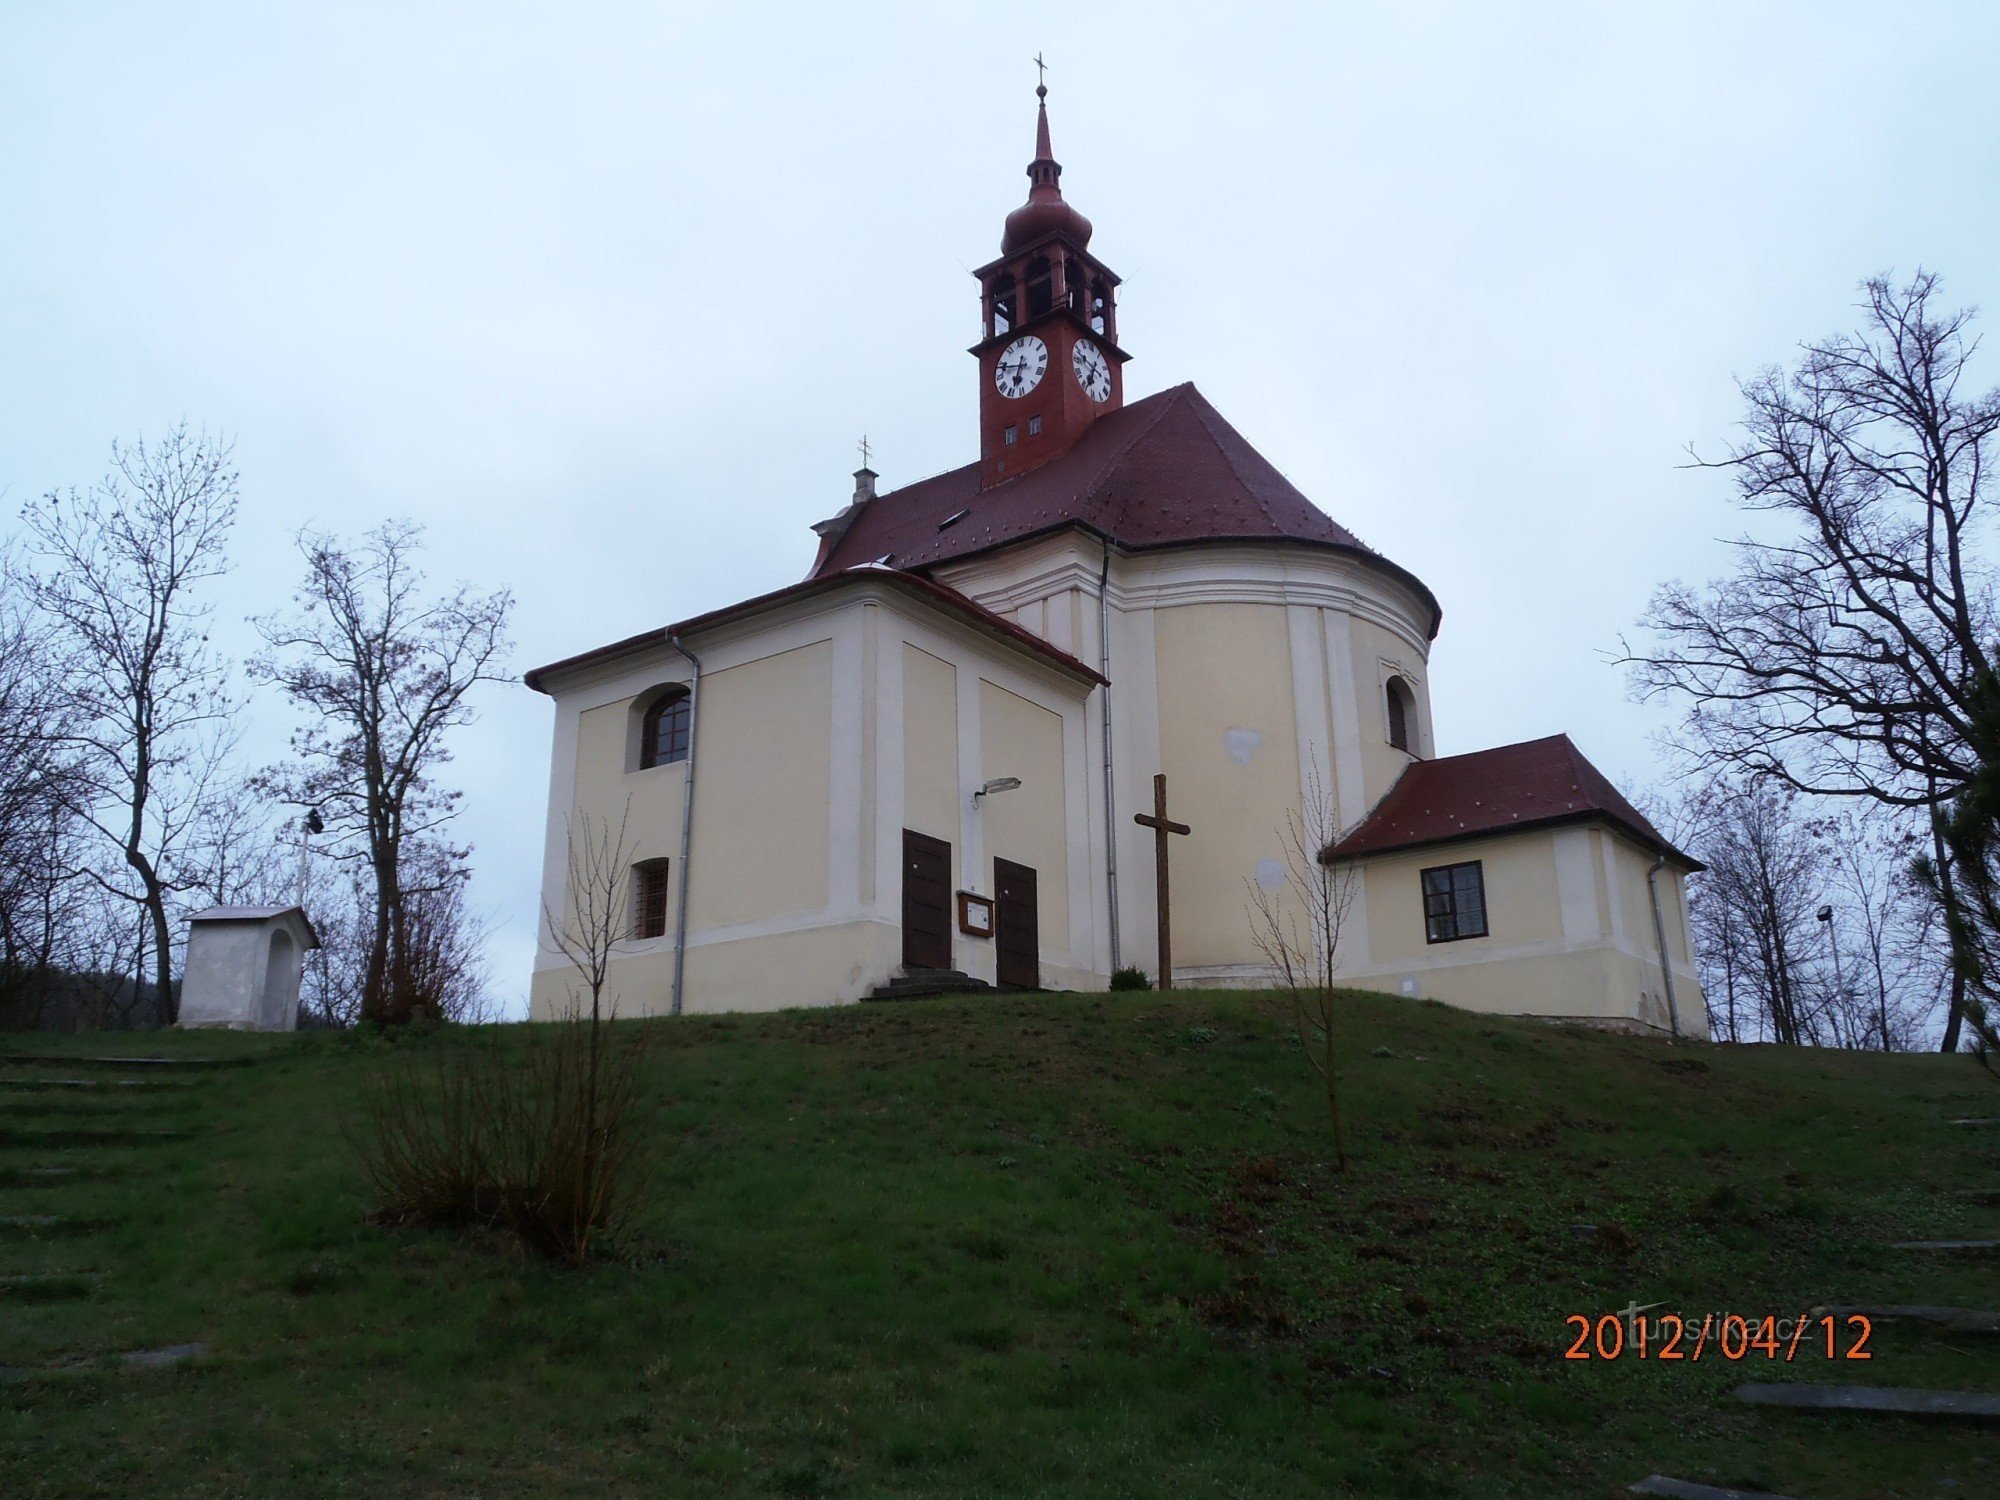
(547, 1147)
(1297, 928)
(544, 1146)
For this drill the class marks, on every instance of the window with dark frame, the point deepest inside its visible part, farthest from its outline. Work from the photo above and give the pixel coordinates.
(1402, 709)
(1034, 425)
(663, 734)
(649, 899)
(1454, 902)
(1008, 435)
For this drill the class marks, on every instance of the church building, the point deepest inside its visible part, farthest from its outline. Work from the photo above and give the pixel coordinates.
(922, 766)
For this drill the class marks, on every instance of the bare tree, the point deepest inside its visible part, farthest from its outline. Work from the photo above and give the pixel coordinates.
(1754, 912)
(1297, 925)
(597, 914)
(116, 574)
(384, 670)
(1841, 655)
(1886, 927)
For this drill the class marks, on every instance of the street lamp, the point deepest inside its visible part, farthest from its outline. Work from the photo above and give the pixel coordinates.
(998, 784)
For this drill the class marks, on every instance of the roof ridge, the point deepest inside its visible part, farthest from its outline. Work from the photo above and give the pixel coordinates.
(1119, 453)
(1229, 460)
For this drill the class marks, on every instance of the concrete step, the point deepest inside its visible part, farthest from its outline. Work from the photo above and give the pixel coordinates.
(1967, 1406)
(917, 984)
(141, 1064)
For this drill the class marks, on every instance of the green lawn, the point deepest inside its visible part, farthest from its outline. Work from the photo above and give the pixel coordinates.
(1075, 1245)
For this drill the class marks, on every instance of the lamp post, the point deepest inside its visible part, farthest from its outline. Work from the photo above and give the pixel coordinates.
(1826, 917)
(309, 825)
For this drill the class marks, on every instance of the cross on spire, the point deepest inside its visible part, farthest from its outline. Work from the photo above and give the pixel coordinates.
(1041, 77)
(866, 451)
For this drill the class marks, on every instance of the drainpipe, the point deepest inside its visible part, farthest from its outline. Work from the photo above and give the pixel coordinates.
(1110, 818)
(1659, 931)
(687, 818)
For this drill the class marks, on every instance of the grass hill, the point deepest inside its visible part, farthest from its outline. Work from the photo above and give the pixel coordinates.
(1040, 1245)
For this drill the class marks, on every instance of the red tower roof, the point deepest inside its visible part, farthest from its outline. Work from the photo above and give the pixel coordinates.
(1045, 212)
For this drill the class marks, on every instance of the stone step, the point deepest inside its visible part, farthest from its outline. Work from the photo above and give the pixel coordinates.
(50, 1286)
(87, 1085)
(1951, 1247)
(919, 984)
(87, 1137)
(1957, 1319)
(1681, 1489)
(143, 1064)
(22, 1177)
(163, 1358)
(44, 1226)
(1866, 1400)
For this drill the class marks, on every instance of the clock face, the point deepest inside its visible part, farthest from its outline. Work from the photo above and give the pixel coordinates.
(1021, 366)
(1093, 372)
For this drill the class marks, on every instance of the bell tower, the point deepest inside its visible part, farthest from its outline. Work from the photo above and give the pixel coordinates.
(1049, 361)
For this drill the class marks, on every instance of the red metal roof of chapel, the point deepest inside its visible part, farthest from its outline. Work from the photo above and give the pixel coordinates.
(1511, 787)
(1165, 471)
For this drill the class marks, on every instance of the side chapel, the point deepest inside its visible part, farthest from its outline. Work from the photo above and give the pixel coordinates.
(919, 766)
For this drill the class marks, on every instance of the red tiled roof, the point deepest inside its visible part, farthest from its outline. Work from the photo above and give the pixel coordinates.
(1529, 785)
(923, 588)
(1165, 471)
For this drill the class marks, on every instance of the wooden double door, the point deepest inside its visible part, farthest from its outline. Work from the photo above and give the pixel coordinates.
(927, 914)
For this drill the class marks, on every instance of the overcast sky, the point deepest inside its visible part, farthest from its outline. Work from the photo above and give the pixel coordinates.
(603, 295)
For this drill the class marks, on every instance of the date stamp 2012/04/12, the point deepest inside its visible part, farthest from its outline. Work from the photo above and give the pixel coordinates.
(1730, 1336)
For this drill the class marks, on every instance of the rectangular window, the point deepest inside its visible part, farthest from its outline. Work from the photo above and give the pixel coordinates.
(649, 899)
(1009, 436)
(1454, 902)
(1034, 426)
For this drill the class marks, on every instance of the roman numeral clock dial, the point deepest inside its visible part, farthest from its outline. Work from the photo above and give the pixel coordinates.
(1093, 371)
(1021, 366)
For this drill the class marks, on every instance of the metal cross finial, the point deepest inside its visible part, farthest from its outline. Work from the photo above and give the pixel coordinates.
(1041, 77)
(866, 451)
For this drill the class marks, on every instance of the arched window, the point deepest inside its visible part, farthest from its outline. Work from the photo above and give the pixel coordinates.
(663, 733)
(649, 899)
(1402, 704)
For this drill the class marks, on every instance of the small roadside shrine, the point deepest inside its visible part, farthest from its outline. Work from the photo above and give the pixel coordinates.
(243, 967)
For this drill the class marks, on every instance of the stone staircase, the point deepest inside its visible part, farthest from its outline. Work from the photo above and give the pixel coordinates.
(920, 984)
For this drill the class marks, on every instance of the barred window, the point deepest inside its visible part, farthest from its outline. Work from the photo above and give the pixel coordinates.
(1454, 902)
(649, 899)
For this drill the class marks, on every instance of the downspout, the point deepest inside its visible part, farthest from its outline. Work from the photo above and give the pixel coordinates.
(1110, 818)
(1659, 931)
(687, 818)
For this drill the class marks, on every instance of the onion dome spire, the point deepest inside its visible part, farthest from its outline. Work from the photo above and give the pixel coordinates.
(1045, 212)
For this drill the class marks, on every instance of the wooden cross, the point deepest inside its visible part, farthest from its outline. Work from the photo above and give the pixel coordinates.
(1162, 826)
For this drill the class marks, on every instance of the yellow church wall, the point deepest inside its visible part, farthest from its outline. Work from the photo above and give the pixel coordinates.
(1027, 825)
(760, 834)
(1522, 901)
(1601, 963)
(820, 965)
(753, 858)
(930, 749)
(1378, 655)
(1228, 742)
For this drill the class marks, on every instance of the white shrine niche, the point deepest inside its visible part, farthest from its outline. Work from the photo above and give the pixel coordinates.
(243, 969)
